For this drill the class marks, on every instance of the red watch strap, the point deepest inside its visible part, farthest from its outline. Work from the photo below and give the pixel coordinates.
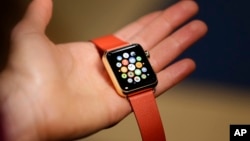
(107, 42)
(144, 105)
(147, 116)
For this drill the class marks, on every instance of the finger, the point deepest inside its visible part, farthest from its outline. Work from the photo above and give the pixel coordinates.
(165, 23)
(173, 74)
(36, 17)
(167, 50)
(130, 30)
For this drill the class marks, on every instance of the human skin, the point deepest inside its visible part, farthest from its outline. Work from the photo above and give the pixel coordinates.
(51, 92)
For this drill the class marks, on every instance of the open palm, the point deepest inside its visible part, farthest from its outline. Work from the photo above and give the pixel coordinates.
(63, 91)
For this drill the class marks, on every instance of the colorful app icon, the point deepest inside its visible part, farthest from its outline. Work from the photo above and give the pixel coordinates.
(132, 53)
(131, 67)
(137, 72)
(130, 80)
(125, 55)
(144, 69)
(131, 74)
(143, 76)
(137, 79)
(124, 69)
(124, 76)
(132, 60)
(118, 64)
(138, 58)
(118, 58)
(138, 65)
(125, 62)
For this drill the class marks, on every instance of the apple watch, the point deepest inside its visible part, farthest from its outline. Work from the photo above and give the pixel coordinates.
(133, 78)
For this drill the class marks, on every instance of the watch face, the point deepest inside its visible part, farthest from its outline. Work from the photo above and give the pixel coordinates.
(131, 68)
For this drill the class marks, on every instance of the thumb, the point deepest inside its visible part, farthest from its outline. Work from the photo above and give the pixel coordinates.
(36, 18)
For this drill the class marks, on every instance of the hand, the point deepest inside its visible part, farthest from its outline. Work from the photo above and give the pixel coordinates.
(53, 92)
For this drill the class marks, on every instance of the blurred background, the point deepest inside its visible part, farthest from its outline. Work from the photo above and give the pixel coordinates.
(202, 107)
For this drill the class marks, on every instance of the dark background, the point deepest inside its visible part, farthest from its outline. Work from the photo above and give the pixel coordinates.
(222, 56)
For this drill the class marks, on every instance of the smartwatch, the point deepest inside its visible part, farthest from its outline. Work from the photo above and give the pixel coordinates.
(133, 78)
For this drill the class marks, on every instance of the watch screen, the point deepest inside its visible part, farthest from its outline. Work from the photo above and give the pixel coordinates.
(131, 68)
